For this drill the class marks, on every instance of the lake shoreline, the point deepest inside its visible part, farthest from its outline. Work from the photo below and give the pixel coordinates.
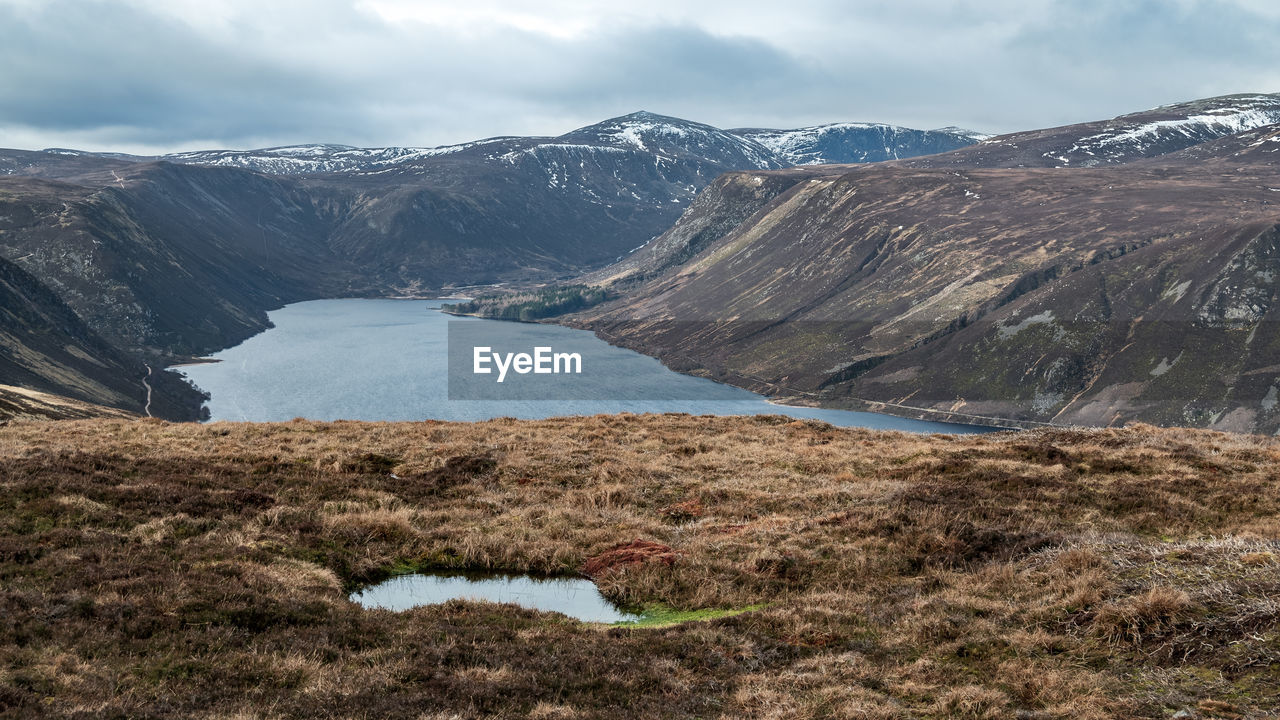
(905, 412)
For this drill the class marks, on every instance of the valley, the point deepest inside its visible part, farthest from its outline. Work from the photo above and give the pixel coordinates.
(1092, 274)
(165, 258)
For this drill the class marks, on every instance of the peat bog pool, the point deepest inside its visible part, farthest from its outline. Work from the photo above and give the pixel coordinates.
(387, 360)
(573, 596)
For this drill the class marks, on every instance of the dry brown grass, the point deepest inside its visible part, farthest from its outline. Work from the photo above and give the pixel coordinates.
(159, 570)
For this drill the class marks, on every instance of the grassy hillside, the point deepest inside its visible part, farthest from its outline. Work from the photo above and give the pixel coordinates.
(157, 570)
(25, 404)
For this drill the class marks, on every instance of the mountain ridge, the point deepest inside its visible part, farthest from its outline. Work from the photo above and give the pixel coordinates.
(315, 158)
(1125, 138)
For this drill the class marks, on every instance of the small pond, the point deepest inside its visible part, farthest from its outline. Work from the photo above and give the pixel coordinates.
(576, 597)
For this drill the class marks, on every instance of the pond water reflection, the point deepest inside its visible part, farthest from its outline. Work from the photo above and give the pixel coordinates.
(576, 597)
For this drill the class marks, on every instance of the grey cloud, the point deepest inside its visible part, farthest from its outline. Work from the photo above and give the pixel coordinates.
(670, 69)
(327, 71)
(89, 65)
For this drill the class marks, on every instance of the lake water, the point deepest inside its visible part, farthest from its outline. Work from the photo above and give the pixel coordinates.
(388, 360)
(576, 597)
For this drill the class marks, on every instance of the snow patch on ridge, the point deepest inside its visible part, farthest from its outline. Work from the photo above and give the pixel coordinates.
(1130, 136)
(855, 142)
(1227, 122)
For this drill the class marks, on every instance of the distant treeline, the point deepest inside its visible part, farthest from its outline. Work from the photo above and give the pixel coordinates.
(534, 305)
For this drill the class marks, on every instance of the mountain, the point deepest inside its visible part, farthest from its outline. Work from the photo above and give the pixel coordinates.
(169, 257)
(550, 204)
(966, 286)
(528, 208)
(494, 210)
(647, 132)
(857, 142)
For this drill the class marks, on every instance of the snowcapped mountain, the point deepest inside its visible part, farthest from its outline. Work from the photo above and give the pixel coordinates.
(490, 210)
(1147, 134)
(641, 158)
(1127, 271)
(321, 158)
(672, 137)
(1184, 124)
(183, 254)
(856, 142)
(668, 140)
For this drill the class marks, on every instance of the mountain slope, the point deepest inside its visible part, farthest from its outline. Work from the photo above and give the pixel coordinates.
(25, 404)
(1123, 139)
(174, 258)
(1139, 290)
(45, 346)
(723, 205)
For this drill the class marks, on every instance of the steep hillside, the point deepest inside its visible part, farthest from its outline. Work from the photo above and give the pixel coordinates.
(171, 258)
(1143, 290)
(19, 403)
(45, 346)
(725, 204)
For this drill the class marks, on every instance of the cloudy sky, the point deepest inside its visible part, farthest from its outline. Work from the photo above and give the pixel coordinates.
(164, 75)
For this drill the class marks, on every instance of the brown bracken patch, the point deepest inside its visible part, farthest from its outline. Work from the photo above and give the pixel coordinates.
(684, 511)
(636, 552)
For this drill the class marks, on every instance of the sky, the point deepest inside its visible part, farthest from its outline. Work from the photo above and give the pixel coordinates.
(151, 76)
